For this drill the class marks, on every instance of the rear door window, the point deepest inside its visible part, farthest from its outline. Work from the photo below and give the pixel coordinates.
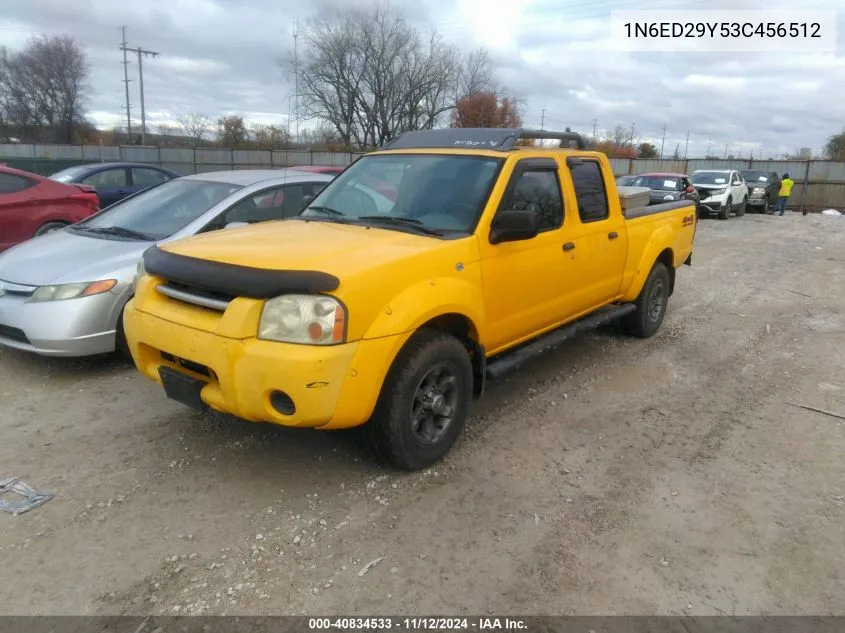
(589, 190)
(107, 178)
(12, 183)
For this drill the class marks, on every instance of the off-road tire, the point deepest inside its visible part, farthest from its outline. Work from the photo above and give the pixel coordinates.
(49, 226)
(646, 320)
(389, 433)
(725, 212)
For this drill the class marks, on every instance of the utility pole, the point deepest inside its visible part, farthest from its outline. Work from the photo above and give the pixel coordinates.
(726, 151)
(141, 54)
(632, 134)
(663, 141)
(686, 148)
(595, 122)
(709, 144)
(543, 120)
(126, 83)
(296, 74)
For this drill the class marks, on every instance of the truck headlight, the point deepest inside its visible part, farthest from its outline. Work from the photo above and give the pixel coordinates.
(758, 190)
(72, 291)
(303, 319)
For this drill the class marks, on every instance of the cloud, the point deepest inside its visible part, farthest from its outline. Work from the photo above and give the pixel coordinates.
(223, 56)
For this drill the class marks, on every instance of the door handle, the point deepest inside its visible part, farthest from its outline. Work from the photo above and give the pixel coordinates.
(612, 235)
(569, 246)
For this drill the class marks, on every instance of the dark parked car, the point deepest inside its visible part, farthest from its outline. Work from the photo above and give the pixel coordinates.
(31, 205)
(625, 181)
(115, 181)
(763, 188)
(667, 187)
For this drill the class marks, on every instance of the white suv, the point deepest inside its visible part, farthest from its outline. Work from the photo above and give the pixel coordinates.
(721, 191)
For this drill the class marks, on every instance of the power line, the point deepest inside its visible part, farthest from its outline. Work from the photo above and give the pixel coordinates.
(141, 54)
(126, 83)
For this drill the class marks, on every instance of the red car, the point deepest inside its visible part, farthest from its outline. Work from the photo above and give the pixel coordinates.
(31, 205)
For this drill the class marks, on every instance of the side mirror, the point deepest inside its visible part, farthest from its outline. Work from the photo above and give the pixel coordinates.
(513, 225)
(235, 225)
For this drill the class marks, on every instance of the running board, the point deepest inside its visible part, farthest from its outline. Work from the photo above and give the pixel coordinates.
(509, 361)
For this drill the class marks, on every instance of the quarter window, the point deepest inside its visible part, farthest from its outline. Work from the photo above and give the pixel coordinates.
(11, 183)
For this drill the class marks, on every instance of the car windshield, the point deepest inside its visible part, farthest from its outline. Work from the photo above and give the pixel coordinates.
(159, 212)
(71, 173)
(755, 176)
(624, 181)
(659, 183)
(710, 178)
(414, 192)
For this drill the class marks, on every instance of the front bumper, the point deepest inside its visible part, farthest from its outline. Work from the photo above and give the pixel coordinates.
(74, 327)
(713, 205)
(330, 386)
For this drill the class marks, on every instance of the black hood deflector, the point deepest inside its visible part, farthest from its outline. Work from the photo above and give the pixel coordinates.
(235, 280)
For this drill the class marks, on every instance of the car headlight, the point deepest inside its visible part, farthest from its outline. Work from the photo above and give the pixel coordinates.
(758, 190)
(718, 192)
(140, 271)
(668, 197)
(304, 319)
(72, 291)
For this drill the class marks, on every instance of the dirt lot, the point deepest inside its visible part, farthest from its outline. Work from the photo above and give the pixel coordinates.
(615, 476)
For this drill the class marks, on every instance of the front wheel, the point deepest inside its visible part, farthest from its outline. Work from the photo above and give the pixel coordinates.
(741, 210)
(725, 211)
(651, 305)
(424, 401)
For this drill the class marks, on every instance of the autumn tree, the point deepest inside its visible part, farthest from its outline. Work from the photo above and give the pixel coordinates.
(268, 136)
(647, 150)
(194, 125)
(231, 131)
(43, 89)
(486, 109)
(834, 149)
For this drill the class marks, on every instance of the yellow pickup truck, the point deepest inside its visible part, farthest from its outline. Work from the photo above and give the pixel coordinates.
(424, 269)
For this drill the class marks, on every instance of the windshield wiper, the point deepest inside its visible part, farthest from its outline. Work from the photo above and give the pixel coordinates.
(398, 221)
(119, 231)
(328, 211)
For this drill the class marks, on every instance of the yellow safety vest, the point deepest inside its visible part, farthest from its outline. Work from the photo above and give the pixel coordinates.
(786, 187)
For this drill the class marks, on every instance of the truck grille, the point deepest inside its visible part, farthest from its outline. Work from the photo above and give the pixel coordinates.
(218, 301)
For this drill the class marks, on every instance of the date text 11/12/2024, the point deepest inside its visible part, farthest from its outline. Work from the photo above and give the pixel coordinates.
(417, 624)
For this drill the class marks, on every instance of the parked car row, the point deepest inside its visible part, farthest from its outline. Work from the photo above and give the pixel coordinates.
(384, 296)
(715, 191)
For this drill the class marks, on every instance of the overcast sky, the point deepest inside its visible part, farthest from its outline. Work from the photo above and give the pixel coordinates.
(221, 56)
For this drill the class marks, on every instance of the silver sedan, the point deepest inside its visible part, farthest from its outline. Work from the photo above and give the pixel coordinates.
(63, 294)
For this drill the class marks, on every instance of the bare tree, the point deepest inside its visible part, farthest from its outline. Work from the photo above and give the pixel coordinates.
(43, 88)
(269, 136)
(371, 75)
(194, 125)
(476, 75)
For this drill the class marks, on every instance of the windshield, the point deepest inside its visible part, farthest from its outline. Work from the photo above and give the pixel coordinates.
(71, 173)
(709, 178)
(159, 212)
(432, 192)
(659, 183)
(755, 176)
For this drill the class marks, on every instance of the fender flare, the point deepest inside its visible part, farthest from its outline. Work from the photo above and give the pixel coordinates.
(427, 300)
(659, 244)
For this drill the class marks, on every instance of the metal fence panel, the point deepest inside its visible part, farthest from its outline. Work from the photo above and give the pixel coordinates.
(100, 153)
(183, 169)
(139, 154)
(204, 168)
(16, 150)
(214, 156)
(252, 157)
(59, 152)
(827, 170)
(177, 155)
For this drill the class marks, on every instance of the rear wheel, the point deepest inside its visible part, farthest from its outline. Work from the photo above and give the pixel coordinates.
(424, 402)
(49, 226)
(651, 305)
(725, 211)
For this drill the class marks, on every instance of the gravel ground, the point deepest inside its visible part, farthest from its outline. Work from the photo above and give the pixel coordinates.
(614, 476)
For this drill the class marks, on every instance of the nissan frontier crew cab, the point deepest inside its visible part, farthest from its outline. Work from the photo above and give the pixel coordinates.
(445, 259)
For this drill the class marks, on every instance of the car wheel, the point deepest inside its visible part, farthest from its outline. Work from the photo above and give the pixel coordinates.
(49, 226)
(424, 402)
(725, 211)
(651, 305)
(741, 210)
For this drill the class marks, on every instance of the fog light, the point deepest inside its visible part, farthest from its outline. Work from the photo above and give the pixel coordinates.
(282, 403)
